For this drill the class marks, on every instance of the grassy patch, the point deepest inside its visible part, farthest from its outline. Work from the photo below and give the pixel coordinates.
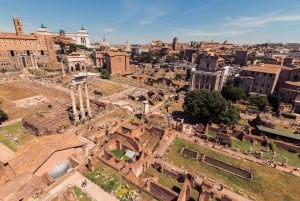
(212, 134)
(118, 153)
(293, 158)
(111, 181)
(107, 181)
(81, 195)
(268, 183)
(14, 136)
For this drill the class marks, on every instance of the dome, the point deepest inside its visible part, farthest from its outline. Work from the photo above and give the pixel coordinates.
(104, 43)
(59, 169)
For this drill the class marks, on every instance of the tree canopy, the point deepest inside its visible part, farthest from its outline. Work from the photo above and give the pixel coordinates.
(259, 101)
(209, 107)
(232, 93)
(105, 74)
(3, 116)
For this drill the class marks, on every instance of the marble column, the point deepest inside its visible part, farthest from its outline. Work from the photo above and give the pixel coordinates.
(87, 100)
(75, 115)
(81, 102)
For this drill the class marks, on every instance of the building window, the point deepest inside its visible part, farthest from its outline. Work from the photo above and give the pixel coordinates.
(42, 52)
(12, 53)
(207, 65)
(28, 53)
(270, 75)
(265, 74)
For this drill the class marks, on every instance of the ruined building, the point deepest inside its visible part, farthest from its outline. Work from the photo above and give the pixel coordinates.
(209, 74)
(84, 113)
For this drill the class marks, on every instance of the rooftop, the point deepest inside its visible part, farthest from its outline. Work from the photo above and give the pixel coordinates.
(279, 133)
(112, 54)
(273, 69)
(30, 157)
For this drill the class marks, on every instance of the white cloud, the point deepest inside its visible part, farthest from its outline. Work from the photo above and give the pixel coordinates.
(261, 21)
(151, 18)
(109, 29)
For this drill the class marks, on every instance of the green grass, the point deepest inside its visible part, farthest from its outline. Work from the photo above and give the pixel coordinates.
(107, 181)
(212, 134)
(81, 195)
(14, 128)
(8, 143)
(268, 183)
(118, 153)
(15, 131)
(111, 181)
(293, 158)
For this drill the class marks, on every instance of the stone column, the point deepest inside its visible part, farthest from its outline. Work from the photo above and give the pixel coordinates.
(62, 68)
(87, 100)
(209, 86)
(80, 102)
(75, 115)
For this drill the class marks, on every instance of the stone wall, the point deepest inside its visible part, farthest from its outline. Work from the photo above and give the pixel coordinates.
(159, 132)
(162, 193)
(235, 170)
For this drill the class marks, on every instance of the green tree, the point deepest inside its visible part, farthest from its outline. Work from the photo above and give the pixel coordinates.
(105, 74)
(3, 116)
(259, 101)
(209, 106)
(232, 93)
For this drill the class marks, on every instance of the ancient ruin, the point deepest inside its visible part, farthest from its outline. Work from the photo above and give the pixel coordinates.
(84, 113)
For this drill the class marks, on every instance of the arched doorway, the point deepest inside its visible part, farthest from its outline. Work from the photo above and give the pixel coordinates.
(77, 67)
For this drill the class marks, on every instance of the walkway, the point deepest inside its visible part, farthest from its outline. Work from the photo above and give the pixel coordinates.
(94, 191)
(10, 122)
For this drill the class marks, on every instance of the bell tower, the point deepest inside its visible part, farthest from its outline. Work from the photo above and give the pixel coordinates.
(18, 26)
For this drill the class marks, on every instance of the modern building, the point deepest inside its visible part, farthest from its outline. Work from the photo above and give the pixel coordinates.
(19, 50)
(209, 74)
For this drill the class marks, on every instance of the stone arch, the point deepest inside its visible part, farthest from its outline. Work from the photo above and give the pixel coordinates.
(77, 67)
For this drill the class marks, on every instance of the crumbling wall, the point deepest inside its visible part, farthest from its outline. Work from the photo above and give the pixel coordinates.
(162, 193)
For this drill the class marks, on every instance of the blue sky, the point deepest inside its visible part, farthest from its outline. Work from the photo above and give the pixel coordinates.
(140, 21)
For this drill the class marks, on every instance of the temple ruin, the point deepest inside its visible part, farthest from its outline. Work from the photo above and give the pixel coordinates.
(84, 113)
